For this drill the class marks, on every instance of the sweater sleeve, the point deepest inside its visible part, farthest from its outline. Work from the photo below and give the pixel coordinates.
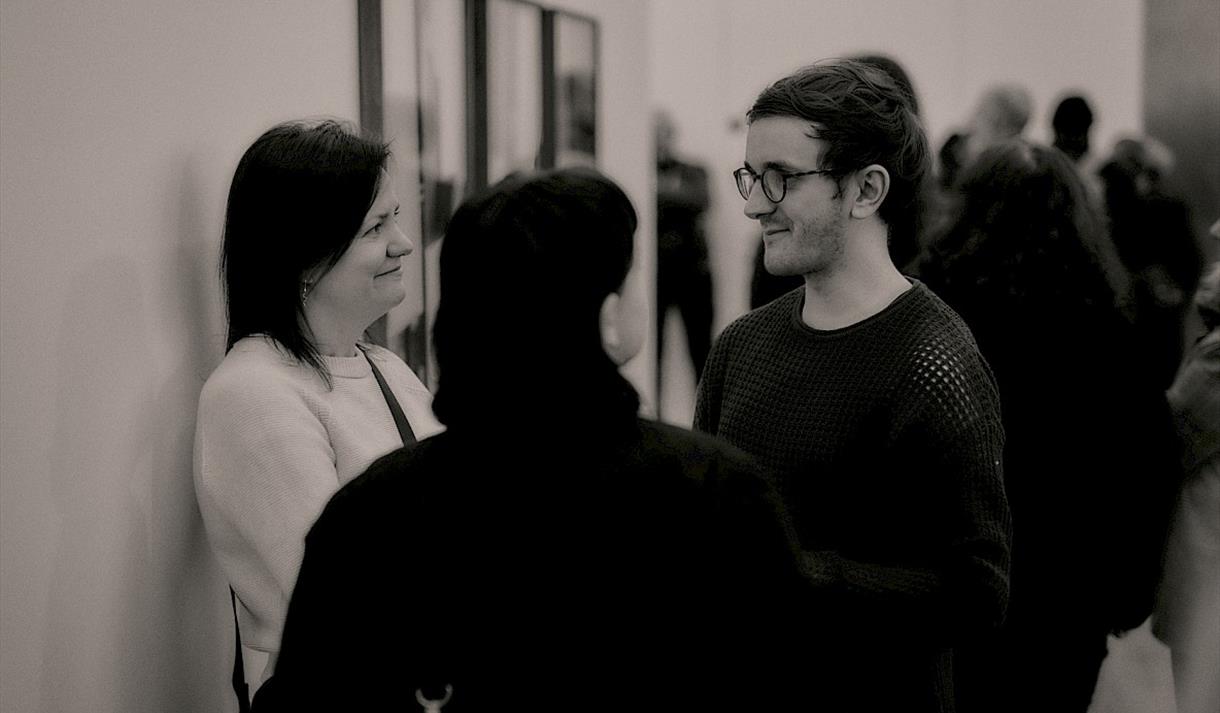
(265, 469)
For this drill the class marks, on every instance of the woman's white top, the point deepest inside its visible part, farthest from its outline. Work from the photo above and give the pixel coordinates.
(272, 445)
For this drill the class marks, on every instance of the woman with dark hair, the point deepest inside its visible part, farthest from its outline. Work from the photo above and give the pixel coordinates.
(550, 550)
(312, 255)
(1087, 432)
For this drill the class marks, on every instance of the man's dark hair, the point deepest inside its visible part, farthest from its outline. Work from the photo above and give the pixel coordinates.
(524, 269)
(297, 200)
(865, 117)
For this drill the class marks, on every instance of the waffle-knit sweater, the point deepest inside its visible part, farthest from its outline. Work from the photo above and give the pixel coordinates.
(272, 444)
(885, 441)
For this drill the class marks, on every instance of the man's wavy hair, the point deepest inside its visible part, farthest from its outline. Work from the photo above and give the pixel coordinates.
(865, 117)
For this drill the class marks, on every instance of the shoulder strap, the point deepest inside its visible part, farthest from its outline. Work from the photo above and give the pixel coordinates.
(400, 419)
(239, 668)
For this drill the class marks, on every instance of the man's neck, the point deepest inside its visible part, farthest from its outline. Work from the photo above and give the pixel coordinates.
(857, 288)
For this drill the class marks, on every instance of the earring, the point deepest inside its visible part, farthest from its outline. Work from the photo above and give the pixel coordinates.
(305, 290)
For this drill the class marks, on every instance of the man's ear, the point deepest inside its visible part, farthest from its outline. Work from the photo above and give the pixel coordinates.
(873, 185)
(610, 324)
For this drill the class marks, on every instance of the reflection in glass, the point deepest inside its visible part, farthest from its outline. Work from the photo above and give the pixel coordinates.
(576, 78)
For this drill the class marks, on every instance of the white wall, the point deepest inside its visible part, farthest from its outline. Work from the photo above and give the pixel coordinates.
(712, 57)
(120, 126)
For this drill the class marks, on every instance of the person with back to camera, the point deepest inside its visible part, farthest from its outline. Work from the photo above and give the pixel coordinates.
(865, 395)
(1026, 264)
(312, 256)
(550, 551)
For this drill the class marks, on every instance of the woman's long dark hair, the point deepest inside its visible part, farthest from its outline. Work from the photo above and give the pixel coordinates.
(1025, 234)
(525, 267)
(297, 200)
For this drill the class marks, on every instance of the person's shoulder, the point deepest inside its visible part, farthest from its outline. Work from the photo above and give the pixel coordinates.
(380, 491)
(933, 324)
(256, 369)
(394, 367)
(942, 358)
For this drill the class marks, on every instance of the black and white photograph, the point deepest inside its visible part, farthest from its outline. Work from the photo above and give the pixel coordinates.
(841, 356)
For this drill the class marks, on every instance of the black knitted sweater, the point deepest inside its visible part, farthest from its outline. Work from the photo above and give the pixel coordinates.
(885, 442)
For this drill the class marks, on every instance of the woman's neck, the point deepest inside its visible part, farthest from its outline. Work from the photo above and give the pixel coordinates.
(331, 336)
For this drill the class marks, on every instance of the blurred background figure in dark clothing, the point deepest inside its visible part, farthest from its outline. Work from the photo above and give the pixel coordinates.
(684, 278)
(1071, 122)
(1089, 444)
(905, 237)
(1001, 114)
(1151, 230)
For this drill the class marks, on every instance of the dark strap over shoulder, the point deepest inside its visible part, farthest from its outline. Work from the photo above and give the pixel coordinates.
(400, 419)
(239, 668)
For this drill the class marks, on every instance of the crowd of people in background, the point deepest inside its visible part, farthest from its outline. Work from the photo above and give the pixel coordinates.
(933, 470)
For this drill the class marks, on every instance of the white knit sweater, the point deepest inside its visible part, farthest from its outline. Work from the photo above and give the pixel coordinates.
(272, 445)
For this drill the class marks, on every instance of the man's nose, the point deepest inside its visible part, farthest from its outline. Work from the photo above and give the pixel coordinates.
(758, 204)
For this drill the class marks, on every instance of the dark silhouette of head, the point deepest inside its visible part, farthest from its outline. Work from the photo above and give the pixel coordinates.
(298, 197)
(1071, 121)
(525, 268)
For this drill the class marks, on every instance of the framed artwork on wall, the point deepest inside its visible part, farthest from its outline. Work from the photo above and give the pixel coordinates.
(466, 93)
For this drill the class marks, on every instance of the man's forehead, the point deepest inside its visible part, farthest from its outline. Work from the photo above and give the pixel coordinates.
(781, 140)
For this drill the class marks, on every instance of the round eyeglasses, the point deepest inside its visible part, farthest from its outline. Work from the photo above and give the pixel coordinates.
(774, 181)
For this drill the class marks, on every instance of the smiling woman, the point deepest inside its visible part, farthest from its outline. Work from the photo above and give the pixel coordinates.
(312, 256)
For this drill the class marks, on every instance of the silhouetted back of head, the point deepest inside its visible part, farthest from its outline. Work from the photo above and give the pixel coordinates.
(525, 267)
(1071, 121)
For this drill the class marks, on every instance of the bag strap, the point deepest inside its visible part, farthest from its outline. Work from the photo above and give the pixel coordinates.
(400, 419)
(239, 668)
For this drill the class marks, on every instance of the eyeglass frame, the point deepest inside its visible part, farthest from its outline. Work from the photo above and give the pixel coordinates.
(758, 179)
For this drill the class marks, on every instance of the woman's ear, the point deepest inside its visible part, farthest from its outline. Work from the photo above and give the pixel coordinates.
(610, 324)
(873, 184)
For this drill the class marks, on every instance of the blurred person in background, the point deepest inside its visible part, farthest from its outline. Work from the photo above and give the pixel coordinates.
(550, 551)
(1188, 612)
(684, 277)
(1071, 122)
(1001, 114)
(1026, 263)
(312, 255)
(1151, 230)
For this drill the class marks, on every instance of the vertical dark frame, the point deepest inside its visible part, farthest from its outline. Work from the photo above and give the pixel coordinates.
(547, 153)
(372, 94)
(476, 95)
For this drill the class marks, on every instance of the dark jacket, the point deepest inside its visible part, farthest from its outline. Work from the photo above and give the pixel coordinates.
(576, 564)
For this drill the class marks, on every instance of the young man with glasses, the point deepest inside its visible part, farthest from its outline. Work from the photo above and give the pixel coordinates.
(865, 395)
